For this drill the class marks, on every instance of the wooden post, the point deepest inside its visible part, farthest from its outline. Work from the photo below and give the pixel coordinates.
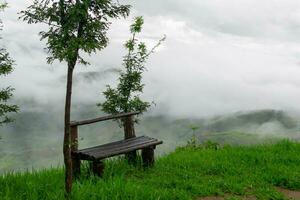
(74, 147)
(97, 168)
(129, 127)
(148, 156)
(129, 132)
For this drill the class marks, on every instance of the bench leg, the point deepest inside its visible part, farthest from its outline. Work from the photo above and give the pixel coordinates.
(148, 156)
(97, 168)
(76, 167)
(131, 157)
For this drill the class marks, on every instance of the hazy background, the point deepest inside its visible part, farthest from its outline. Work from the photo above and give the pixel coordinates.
(221, 58)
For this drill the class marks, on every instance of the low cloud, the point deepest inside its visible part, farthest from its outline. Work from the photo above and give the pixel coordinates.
(218, 58)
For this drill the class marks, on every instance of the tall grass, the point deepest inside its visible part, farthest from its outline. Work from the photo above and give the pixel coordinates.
(188, 173)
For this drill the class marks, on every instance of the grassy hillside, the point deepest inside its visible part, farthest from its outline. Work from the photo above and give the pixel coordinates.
(188, 173)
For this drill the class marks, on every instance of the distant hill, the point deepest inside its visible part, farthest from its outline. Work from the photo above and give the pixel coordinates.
(260, 117)
(35, 138)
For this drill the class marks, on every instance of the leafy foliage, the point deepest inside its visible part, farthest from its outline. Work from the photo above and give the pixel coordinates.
(6, 67)
(74, 25)
(125, 97)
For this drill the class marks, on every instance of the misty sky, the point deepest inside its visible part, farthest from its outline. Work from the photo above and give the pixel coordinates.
(219, 57)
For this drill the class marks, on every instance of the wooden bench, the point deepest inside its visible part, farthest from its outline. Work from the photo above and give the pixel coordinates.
(97, 154)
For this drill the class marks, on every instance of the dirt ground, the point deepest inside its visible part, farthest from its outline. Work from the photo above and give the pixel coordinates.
(222, 198)
(290, 194)
(295, 195)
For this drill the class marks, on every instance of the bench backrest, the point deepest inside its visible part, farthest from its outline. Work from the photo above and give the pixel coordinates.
(127, 119)
(105, 118)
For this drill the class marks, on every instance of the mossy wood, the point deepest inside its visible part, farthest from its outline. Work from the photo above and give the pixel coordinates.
(128, 146)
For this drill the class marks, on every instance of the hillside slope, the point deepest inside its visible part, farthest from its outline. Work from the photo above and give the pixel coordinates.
(191, 172)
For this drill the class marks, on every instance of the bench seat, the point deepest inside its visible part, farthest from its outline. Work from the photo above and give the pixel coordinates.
(115, 148)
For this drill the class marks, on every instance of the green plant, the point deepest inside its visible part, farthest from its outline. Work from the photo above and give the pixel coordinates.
(126, 96)
(75, 27)
(193, 142)
(211, 145)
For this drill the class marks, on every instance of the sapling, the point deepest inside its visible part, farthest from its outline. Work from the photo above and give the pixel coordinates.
(126, 96)
(75, 27)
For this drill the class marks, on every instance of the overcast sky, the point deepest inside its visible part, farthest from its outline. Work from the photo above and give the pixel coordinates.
(219, 57)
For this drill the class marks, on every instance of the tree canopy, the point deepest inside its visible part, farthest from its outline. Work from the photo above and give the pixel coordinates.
(74, 25)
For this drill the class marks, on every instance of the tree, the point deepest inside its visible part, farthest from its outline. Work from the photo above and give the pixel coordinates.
(75, 27)
(6, 67)
(126, 96)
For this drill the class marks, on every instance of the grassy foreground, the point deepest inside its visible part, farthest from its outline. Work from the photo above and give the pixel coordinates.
(188, 173)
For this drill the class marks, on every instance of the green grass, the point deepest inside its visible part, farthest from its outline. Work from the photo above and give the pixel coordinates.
(187, 173)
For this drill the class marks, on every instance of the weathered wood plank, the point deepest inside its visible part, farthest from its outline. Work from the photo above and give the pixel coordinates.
(116, 148)
(111, 154)
(113, 151)
(125, 149)
(114, 144)
(105, 118)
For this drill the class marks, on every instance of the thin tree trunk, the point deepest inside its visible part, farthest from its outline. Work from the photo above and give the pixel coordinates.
(67, 133)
